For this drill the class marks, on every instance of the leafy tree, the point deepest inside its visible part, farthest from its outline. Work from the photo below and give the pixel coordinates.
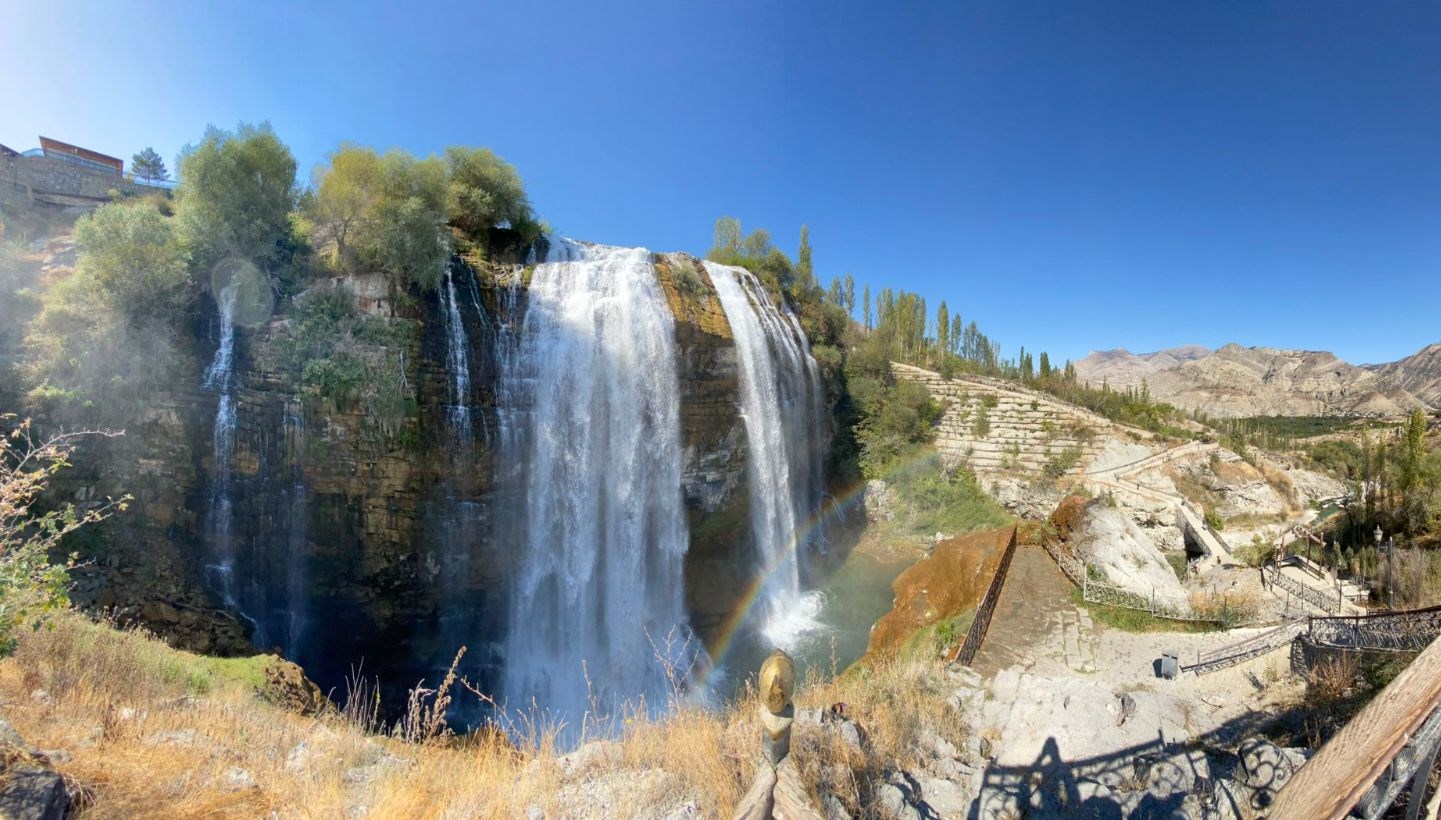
(727, 239)
(105, 338)
(148, 165)
(346, 193)
(849, 296)
(866, 299)
(483, 192)
(31, 587)
(135, 260)
(237, 191)
(381, 212)
(835, 293)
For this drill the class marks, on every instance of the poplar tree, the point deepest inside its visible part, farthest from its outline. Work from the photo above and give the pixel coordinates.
(943, 329)
(805, 272)
(867, 300)
(850, 296)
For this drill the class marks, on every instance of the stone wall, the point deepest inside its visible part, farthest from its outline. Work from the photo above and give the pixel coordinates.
(995, 427)
(26, 180)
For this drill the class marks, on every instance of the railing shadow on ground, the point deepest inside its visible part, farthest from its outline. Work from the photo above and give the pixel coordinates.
(1142, 781)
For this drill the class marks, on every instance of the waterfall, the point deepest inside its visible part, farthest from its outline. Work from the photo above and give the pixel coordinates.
(219, 376)
(781, 406)
(457, 364)
(591, 430)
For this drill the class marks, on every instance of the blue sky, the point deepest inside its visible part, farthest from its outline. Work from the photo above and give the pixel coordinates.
(1074, 176)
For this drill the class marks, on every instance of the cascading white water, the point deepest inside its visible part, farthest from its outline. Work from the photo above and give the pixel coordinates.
(590, 416)
(219, 376)
(457, 364)
(781, 406)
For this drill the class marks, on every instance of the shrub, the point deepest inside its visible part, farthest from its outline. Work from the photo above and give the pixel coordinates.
(484, 191)
(31, 587)
(130, 254)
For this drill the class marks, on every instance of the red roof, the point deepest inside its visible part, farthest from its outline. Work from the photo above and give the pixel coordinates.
(52, 147)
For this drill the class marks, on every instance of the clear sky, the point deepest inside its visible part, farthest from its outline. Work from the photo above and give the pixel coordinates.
(1074, 176)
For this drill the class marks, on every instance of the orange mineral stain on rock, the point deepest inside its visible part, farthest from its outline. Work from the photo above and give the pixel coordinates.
(951, 581)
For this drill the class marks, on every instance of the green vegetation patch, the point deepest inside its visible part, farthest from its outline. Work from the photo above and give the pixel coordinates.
(940, 638)
(933, 500)
(1135, 620)
(349, 361)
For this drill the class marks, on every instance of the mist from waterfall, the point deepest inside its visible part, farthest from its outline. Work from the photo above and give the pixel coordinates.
(782, 408)
(459, 513)
(297, 574)
(220, 377)
(590, 428)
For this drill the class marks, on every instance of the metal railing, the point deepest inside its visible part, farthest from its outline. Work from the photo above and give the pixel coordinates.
(1100, 592)
(1253, 647)
(1309, 594)
(1405, 631)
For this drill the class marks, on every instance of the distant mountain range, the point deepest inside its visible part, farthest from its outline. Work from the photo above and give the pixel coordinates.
(1262, 381)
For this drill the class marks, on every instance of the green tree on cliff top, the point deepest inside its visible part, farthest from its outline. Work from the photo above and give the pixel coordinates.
(148, 165)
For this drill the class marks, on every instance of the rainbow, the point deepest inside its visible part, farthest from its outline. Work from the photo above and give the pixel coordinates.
(830, 510)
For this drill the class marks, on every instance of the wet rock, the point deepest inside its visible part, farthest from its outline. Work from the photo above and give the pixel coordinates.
(880, 501)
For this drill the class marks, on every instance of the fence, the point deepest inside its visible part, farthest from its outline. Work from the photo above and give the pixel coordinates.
(977, 633)
(1099, 592)
(1253, 647)
(1315, 597)
(1405, 631)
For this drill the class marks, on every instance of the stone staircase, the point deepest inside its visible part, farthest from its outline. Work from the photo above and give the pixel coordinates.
(996, 426)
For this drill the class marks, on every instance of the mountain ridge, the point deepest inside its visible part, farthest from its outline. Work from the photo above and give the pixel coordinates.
(1233, 380)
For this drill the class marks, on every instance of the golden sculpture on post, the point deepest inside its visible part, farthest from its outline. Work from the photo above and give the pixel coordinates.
(777, 791)
(777, 687)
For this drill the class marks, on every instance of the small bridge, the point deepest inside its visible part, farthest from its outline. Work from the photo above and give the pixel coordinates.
(1410, 630)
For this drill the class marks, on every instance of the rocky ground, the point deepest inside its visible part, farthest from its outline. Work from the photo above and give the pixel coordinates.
(1071, 718)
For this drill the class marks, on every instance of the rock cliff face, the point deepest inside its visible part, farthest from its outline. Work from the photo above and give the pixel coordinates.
(1256, 381)
(1419, 373)
(363, 507)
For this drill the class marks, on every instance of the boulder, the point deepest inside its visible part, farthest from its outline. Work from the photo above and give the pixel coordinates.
(1113, 544)
(29, 791)
(287, 687)
(880, 502)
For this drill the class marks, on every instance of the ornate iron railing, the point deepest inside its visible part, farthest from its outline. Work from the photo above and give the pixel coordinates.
(1407, 631)
(1321, 600)
(1253, 647)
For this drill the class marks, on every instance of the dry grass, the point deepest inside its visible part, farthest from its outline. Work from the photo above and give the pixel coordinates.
(149, 731)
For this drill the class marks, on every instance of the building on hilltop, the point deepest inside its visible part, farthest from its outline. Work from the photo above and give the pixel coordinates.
(63, 175)
(82, 156)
